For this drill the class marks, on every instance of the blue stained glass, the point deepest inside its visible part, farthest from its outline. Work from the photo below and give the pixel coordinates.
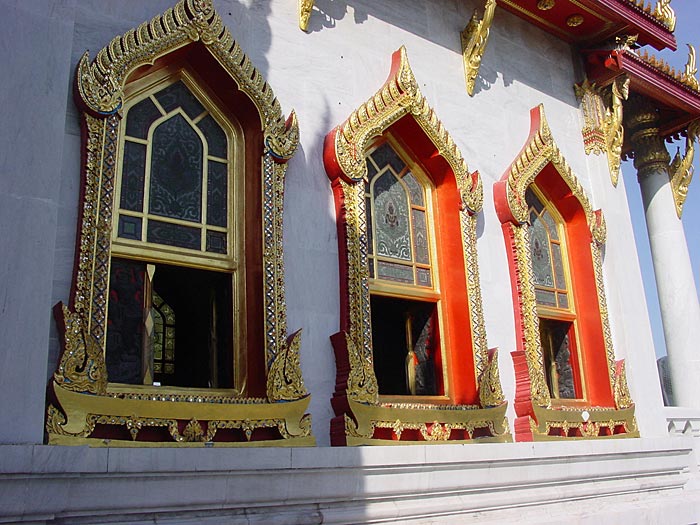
(216, 242)
(420, 237)
(140, 117)
(174, 235)
(129, 227)
(133, 173)
(176, 171)
(217, 193)
(384, 155)
(539, 254)
(216, 138)
(415, 189)
(177, 95)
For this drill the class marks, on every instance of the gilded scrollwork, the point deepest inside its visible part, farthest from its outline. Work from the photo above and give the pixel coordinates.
(665, 13)
(593, 109)
(474, 38)
(690, 74)
(490, 390)
(100, 92)
(623, 398)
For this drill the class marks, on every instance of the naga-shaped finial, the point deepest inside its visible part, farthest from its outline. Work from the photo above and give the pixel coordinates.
(681, 169)
(665, 13)
(613, 125)
(690, 78)
(474, 38)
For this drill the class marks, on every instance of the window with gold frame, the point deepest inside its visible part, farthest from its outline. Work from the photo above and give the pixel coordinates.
(554, 298)
(404, 292)
(175, 249)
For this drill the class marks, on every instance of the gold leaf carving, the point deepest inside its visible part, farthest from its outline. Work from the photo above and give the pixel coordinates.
(305, 7)
(490, 390)
(681, 169)
(474, 38)
(284, 379)
(613, 125)
(623, 399)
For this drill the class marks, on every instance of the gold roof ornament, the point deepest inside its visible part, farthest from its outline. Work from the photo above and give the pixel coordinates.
(690, 75)
(305, 7)
(665, 14)
(681, 169)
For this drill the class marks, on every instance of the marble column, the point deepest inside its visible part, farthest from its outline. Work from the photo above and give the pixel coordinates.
(678, 298)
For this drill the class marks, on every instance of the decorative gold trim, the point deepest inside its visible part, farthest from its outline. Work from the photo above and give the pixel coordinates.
(100, 87)
(687, 77)
(538, 152)
(490, 390)
(474, 38)
(681, 169)
(305, 7)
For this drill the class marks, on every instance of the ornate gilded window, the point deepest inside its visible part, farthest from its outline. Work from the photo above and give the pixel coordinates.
(568, 383)
(175, 332)
(553, 294)
(178, 202)
(411, 354)
(404, 291)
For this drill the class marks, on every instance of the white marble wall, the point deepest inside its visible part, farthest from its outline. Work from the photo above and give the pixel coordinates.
(323, 75)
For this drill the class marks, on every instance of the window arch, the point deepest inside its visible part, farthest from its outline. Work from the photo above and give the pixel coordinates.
(412, 362)
(568, 383)
(176, 328)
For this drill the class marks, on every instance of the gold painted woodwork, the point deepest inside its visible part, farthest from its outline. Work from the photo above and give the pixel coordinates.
(80, 384)
(401, 96)
(474, 38)
(681, 169)
(304, 7)
(566, 419)
(687, 77)
(613, 125)
(540, 151)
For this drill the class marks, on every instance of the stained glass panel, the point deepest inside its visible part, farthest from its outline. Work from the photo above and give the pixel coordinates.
(217, 192)
(140, 117)
(216, 138)
(539, 252)
(558, 266)
(394, 272)
(415, 189)
(133, 172)
(370, 238)
(545, 297)
(216, 242)
(423, 277)
(563, 300)
(391, 227)
(176, 171)
(174, 235)
(420, 237)
(533, 201)
(129, 227)
(551, 225)
(384, 155)
(177, 95)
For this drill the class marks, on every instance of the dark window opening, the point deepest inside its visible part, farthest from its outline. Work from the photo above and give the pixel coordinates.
(176, 330)
(561, 370)
(405, 342)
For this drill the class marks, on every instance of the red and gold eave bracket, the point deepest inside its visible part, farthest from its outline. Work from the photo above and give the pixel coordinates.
(678, 103)
(591, 22)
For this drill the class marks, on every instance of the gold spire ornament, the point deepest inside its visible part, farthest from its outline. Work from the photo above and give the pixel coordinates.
(474, 39)
(681, 169)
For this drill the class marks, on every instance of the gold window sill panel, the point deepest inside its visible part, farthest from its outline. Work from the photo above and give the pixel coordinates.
(569, 418)
(79, 408)
(369, 417)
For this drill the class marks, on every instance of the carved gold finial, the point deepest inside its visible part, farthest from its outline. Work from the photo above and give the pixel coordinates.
(625, 42)
(474, 38)
(613, 125)
(305, 7)
(691, 70)
(664, 12)
(681, 169)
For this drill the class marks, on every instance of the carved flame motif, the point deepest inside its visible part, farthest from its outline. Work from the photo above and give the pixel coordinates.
(474, 39)
(681, 169)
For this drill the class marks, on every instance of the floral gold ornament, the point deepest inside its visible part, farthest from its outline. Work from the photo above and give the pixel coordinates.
(474, 38)
(574, 20)
(539, 418)
(681, 169)
(362, 415)
(593, 109)
(83, 404)
(545, 5)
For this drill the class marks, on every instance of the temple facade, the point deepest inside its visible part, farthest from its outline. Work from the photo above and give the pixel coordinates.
(344, 262)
